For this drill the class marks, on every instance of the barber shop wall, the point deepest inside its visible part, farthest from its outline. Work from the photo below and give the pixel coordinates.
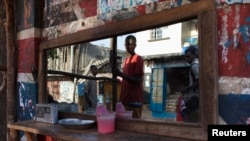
(38, 20)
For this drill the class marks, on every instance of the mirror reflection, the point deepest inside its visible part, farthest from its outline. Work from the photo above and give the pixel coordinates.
(170, 73)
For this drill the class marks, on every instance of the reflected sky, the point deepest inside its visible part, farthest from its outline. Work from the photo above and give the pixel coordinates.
(106, 42)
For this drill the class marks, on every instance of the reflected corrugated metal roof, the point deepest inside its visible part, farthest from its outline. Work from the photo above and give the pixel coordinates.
(161, 56)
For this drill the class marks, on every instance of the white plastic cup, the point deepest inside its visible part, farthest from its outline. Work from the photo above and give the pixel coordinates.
(106, 123)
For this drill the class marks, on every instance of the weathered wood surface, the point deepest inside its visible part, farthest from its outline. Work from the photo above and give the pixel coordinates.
(11, 67)
(61, 133)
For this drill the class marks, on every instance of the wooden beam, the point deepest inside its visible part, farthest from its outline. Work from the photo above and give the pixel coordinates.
(113, 55)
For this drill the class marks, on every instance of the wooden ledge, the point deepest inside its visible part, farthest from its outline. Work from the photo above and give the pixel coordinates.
(58, 132)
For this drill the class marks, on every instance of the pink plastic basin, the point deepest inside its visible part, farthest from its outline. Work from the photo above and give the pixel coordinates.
(124, 114)
(106, 123)
(101, 110)
(119, 107)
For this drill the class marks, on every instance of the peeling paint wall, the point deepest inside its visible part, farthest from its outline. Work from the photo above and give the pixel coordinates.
(234, 61)
(234, 40)
(28, 27)
(86, 14)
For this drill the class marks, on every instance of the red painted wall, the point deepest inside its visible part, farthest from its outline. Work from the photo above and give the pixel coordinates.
(233, 40)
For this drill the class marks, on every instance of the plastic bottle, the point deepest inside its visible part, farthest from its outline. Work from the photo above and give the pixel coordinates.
(108, 102)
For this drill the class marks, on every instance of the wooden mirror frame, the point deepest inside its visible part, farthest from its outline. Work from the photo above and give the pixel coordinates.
(205, 12)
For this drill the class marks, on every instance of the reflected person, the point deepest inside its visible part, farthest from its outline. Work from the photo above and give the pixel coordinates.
(132, 79)
(90, 92)
(190, 107)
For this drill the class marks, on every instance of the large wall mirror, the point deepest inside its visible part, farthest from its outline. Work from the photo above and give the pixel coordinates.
(163, 51)
(65, 64)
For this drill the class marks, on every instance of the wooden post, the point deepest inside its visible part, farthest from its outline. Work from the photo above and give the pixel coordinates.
(11, 68)
(113, 56)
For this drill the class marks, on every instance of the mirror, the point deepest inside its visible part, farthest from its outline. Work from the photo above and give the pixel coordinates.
(162, 49)
(203, 11)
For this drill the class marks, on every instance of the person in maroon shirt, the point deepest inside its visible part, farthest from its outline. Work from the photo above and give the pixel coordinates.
(132, 79)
